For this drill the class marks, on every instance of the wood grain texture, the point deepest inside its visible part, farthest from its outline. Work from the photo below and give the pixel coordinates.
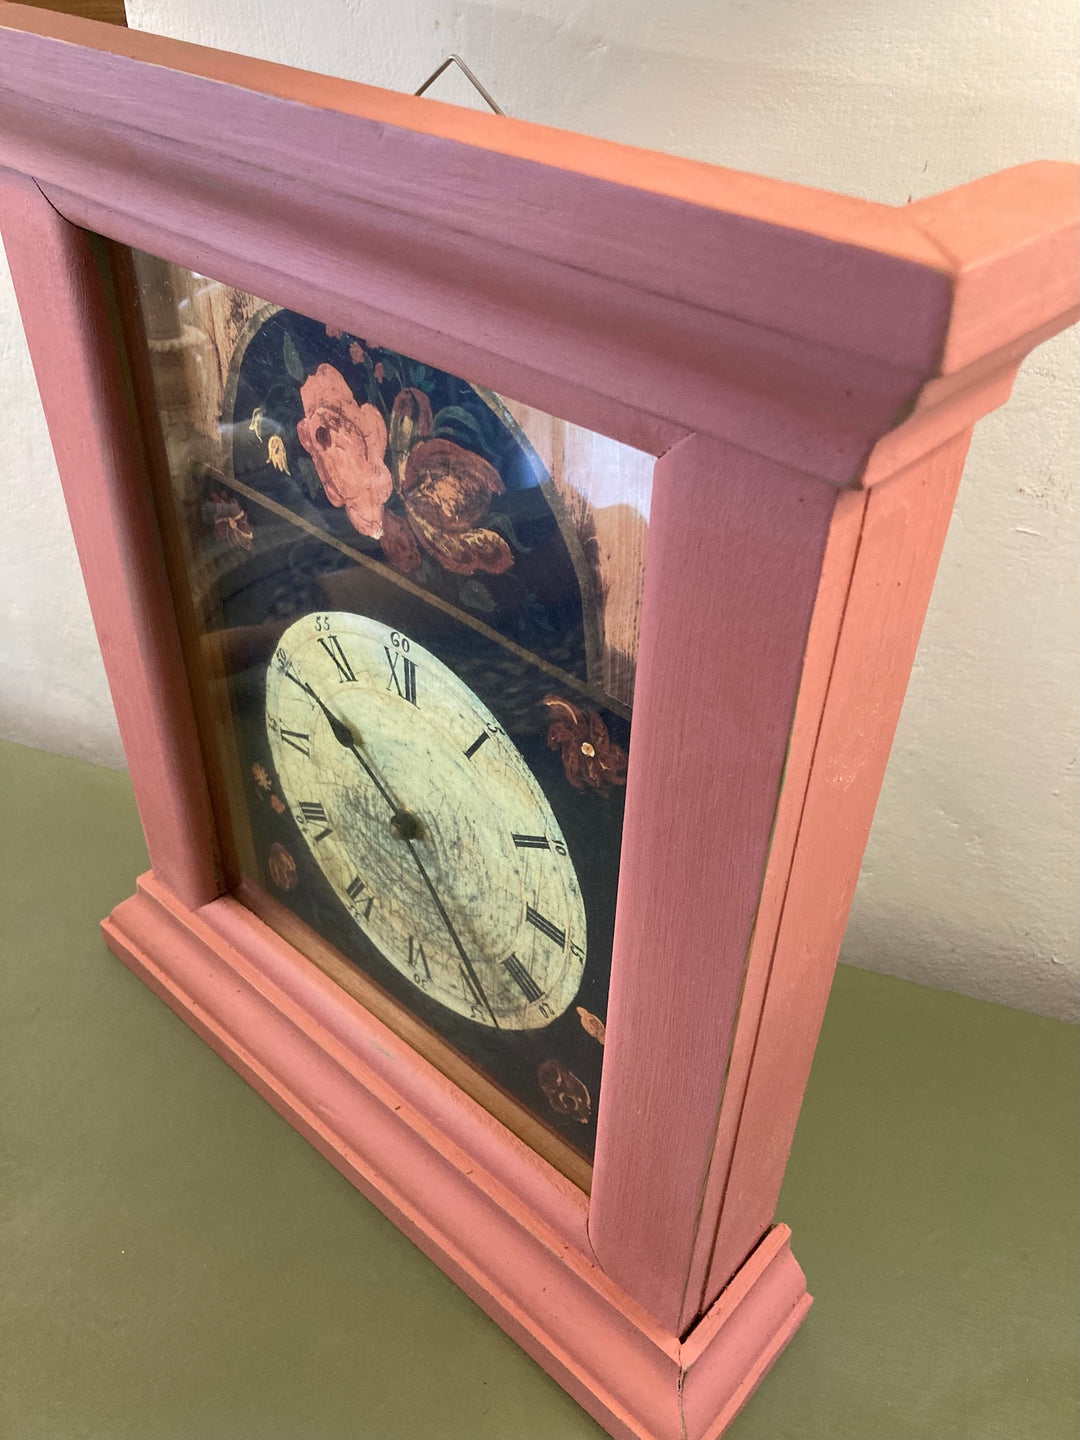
(498, 1221)
(604, 492)
(723, 298)
(729, 591)
(1011, 240)
(887, 587)
(111, 12)
(797, 324)
(63, 304)
(834, 585)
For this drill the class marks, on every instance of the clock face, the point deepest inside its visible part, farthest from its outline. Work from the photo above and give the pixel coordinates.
(426, 821)
(412, 616)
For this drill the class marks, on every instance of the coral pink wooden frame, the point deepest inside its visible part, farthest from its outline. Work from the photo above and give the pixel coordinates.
(808, 368)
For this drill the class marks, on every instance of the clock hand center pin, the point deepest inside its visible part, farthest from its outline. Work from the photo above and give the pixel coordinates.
(403, 823)
(407, 828)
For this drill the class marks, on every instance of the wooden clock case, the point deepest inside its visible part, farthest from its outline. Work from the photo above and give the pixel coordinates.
(807, 368)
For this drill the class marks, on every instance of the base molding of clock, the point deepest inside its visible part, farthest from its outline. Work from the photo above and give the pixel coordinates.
(532, 1275)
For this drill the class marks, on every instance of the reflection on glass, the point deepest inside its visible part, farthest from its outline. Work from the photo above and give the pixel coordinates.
(414, 610)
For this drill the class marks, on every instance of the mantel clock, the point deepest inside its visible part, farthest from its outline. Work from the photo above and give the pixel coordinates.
(508, 557)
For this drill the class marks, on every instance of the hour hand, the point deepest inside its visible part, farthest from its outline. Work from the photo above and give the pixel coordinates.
(341, 732)
(348, 741)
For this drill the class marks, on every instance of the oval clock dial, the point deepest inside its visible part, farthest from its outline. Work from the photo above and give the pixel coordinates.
(426, 821)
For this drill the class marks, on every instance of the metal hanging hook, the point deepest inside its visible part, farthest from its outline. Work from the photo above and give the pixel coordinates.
(473, 81)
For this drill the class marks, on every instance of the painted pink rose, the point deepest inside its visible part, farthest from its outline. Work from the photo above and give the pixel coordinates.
(591, 759)
(347, 442)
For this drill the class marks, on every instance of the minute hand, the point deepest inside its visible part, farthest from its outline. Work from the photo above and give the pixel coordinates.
(474, 979)
(345, 737)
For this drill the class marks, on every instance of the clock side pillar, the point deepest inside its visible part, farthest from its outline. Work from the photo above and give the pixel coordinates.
(66, 313)
(737, 543)
(875, 590)
(807, 614)
(1012, 243)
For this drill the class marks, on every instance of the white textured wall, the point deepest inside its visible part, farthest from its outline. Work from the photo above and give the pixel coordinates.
(52, 683)
(970, 879)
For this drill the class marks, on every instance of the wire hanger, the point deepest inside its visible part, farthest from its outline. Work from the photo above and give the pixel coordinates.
(473, 81)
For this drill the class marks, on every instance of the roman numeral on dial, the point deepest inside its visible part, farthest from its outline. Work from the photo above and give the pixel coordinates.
(314, 814)
(545, 926)
(472, 990)
(354, 890)
(531, 842)
(481, 739)
(521, 977)
(402, 674)
(298, 740)
(417, 956)
(292, 675)
(332, 645)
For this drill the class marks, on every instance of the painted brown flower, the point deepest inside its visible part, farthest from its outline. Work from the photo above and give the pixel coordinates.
(347, 442)
(399, 544)
(411, 421)
(446, 491)
(591, 1024)
(231, 522)
(591, 759)
(282, 867)
(277, 805)
(565, 1093)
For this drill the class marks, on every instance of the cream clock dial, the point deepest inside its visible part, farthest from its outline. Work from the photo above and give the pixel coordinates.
(426, 821)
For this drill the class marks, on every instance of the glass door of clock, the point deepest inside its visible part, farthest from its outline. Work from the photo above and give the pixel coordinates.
(410, 608)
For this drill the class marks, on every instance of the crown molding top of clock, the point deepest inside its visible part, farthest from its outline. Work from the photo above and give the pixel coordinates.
(640, 293)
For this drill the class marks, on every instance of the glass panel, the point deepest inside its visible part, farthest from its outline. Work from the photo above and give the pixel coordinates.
(412, 608)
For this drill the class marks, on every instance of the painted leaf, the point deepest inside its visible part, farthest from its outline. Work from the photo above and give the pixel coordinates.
(293, 364)
(453, 417)
(499, 520)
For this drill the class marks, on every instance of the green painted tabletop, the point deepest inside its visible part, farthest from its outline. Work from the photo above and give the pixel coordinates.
(177, 1264)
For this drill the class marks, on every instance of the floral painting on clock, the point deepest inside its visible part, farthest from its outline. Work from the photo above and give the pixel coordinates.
(417, 607)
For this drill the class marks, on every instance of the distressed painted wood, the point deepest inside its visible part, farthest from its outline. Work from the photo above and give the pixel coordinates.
(391, 1124)
(879, 569)
(717, 679)
(808, 368)
(889, 573)
(100, 460)
(722, 315)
